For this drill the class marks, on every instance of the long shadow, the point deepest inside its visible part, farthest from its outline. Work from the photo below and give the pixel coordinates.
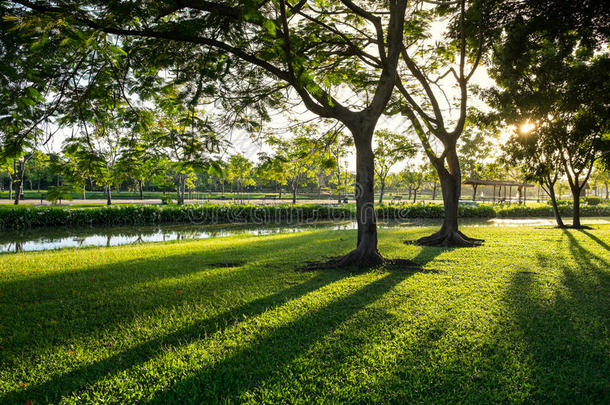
(328, 319)
(566, 335)
(596, 239)
(53, 389)
(227, 379)
(91, 301)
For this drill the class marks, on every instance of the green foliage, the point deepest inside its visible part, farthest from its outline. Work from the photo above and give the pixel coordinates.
(56, 193)
(593, 200)
(37, 216)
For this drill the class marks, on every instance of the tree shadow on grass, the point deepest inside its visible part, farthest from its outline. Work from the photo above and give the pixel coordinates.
(57, 308)
(567, 333)
(53, 389)
(306, 330)
(248, 368)
(596, 239)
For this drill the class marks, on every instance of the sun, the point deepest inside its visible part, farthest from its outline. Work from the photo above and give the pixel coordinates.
(527, 127)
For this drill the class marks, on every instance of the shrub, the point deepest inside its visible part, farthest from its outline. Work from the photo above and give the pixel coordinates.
(20, 217)
(593, 200)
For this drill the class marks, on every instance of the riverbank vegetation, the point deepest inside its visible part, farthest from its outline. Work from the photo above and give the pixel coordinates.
(21, 217)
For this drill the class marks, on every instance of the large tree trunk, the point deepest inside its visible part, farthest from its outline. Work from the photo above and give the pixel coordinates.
(474, 192)
(108, 195)
(451, 187)
(434, 191)
(294, 194)
(365, 255)
(141, 189)
(10, 188)
(576, 206)
(415, 194)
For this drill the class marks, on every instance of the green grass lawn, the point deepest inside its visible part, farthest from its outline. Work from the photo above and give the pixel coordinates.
(524, 318)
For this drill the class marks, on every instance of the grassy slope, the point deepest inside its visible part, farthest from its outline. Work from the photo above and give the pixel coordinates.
(525, 317)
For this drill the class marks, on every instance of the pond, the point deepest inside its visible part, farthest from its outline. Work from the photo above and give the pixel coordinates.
(70, 237)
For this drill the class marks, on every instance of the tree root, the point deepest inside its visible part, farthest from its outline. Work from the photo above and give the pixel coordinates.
(448, 239)
(361, 261)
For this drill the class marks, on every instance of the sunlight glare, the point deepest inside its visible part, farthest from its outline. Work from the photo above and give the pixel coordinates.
(526, 127)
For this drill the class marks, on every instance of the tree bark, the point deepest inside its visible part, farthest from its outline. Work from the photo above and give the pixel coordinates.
(141, 188)
(474, 192)
(18, 190)
(556, 212)
(576, 190)
(434, 191)
(451, 188)
(20, 173)
(382, 189)
(294, 194)
(108, 195)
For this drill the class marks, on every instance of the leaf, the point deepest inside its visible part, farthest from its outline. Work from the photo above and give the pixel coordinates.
(117, 51)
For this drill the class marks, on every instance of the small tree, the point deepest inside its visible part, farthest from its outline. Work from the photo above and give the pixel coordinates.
(391, 148)
(239, 171)
(300, 156)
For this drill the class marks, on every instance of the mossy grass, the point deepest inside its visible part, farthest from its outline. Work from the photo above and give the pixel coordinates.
(523, 318)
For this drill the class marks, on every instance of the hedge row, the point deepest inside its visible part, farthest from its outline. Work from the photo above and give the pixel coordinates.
(45, 216)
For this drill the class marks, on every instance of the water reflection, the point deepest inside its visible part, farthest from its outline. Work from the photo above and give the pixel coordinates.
(58, 238)
(66, 237)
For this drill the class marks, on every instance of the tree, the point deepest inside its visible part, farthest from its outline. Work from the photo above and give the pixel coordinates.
(430, 178)
(39, 167)
(560, 87)
(423, 73)
(299, 156)
(266, 46)
(412, 177)
(391, 148)
(602, 175)
(271, 168)
(339, 146)
(240, 171)
(184, 137)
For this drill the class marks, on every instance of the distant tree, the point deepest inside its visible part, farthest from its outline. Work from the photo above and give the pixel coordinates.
(240, 172)
(300, 156)
(183, 135)
(391, 148)
(7, 165)
(413, 177)
(271, 168)
(430, 178)
(38, 168)
(602, 175)
(339, 147)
